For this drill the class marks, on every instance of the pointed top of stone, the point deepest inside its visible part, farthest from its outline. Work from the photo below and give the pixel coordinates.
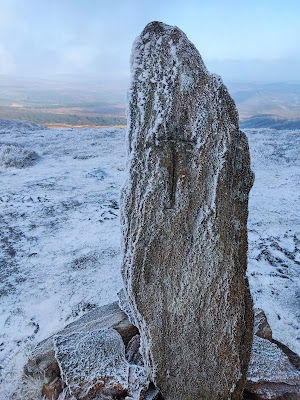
(173, 90)
(168, 40)
(160, 28)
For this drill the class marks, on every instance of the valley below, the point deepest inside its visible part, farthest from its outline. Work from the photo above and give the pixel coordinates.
(86, 103)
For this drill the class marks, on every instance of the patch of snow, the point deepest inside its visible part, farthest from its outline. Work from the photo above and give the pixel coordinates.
(59, 248)
(274, 231)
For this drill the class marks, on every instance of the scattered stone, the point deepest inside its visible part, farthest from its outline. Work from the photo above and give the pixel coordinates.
(293, 357)
(261, 325)
(92, 361)
(271, 376)
(42, 361)
(89, 356)
(274, 369)
(133, 354)
(52, 389)
(273, 373)
(184, 211)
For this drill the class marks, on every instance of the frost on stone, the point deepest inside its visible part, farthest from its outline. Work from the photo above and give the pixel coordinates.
(138, 381)
(125, 307)
(271, 375)
(89, 356)
(17, 156)
(184, 210)
(269, 363)
(93, 360)
(108, 316)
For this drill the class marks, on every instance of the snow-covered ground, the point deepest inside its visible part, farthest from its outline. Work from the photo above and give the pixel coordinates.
(274, 230)
(60, 234)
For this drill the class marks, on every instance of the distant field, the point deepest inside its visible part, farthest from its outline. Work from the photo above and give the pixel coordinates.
(63, 103)
(65, 116)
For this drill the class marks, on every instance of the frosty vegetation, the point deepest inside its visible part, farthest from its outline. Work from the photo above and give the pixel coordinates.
(16, 156)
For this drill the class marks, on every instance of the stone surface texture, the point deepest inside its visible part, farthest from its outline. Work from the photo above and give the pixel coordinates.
(184, 211)
(43, 361)
(52, 389)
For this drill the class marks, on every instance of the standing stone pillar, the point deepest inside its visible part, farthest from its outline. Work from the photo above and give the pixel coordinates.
(184, 211)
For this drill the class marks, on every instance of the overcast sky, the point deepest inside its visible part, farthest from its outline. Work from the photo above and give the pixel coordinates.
(240, 40)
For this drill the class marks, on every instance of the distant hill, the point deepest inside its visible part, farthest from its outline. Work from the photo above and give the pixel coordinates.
(66, 102)
(63, 102)
(270, 121)
(65, 117)
(8, 125)
(281, 100)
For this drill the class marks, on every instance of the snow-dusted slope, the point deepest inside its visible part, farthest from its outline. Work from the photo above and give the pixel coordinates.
(59, 234)
(14, 125)
(274, 231)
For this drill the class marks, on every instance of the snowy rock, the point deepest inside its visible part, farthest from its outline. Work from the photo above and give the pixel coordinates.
(184, 211)
(133, 354)
(42, 361)
(92, 361)
(89, 356)
(271, 376)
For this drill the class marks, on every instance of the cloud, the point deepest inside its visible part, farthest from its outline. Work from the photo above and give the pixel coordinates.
(256, 70)
(7, 62)
(77, 58)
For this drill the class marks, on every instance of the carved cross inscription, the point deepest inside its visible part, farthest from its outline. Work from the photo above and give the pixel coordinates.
(176, 144)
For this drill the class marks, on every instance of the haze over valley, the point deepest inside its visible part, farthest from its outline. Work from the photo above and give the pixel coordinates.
(85, 103)
(63, 102)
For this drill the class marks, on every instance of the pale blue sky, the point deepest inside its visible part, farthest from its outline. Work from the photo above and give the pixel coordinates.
(240, 40)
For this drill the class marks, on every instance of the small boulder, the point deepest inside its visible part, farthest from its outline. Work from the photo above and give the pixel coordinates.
(261, 325)
(92, 361)
(271, 376)
(42, 361)
(88, 356)
(133, 354)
